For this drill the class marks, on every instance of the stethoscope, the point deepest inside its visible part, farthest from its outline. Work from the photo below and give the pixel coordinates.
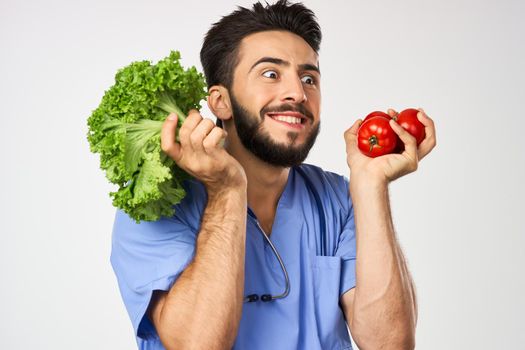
(322, 221)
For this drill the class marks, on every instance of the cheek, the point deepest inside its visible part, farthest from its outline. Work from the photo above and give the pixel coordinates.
(314, 100)
(261, 98)
(313, 94)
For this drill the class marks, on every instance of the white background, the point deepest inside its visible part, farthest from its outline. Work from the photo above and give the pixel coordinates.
(459, 218)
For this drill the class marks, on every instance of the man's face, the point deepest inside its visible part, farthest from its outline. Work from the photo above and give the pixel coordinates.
(276, 97)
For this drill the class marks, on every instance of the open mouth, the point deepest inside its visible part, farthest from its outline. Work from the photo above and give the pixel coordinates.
(293, 119)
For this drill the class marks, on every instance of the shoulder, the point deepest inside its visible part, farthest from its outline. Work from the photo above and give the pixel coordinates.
(148, 250)
(331, 184)
(187, 213)
(329, 177)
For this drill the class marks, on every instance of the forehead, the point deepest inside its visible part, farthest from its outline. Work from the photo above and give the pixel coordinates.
(279, 44)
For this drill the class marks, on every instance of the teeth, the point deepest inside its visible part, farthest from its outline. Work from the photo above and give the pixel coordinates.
(287, 119)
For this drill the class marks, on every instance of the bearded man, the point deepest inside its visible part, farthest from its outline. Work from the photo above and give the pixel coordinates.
(266, 252)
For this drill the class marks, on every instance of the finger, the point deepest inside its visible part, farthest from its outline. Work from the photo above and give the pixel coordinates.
(167, 137)
(425, 119)
(351, 133)
(392, 113)
(409, 142)
(191, 122)
(430, 134)
(213, 141)
(199, 133)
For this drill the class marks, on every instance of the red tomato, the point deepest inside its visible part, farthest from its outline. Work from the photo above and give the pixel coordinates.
(375, 137)
(400, 147)
(377, 113)
(408, 120)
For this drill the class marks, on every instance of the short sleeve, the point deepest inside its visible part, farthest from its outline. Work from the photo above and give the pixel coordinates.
(346, 248)
(150, 256)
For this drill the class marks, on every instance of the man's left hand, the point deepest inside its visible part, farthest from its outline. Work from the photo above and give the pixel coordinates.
(389, 167)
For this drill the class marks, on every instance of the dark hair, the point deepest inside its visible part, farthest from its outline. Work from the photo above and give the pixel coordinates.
(219, 53)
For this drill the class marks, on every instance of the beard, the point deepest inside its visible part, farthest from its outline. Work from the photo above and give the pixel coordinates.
(259, 142)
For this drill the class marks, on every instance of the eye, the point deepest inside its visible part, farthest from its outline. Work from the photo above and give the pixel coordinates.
(308, 79)
(270, 74)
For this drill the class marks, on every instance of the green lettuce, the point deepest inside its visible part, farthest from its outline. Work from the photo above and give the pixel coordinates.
(125, 131)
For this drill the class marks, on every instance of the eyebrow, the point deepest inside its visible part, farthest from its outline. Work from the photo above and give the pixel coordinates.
(281, 62)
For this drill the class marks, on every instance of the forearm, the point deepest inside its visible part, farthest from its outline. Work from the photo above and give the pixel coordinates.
(384, 310)
(204, 307)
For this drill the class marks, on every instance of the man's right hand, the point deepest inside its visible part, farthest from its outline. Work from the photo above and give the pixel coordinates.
(200, 153)
(215, 276)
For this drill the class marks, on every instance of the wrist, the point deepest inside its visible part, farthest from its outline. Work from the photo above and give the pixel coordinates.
(236, 191)
(231, 180)
(226, 210)
(366, 183)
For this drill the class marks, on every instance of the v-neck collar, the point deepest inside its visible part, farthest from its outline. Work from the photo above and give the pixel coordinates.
(284, 199)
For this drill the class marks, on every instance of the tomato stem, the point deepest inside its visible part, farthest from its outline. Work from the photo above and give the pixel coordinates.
(372, 141)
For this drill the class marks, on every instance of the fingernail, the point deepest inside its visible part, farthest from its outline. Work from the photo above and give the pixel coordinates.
(172, 116)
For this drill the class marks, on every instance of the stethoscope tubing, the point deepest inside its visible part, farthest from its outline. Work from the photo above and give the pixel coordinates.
(322, 221)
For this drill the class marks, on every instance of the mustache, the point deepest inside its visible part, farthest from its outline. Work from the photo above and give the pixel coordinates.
(286, 107)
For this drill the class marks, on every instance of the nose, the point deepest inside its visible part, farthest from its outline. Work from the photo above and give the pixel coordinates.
(293, 90)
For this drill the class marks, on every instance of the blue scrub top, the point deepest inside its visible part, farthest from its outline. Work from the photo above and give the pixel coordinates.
(151, 255)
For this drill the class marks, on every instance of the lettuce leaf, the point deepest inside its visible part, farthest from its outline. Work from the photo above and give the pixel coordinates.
(125, 131)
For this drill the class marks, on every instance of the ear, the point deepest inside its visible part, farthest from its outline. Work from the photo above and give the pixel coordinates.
(219, 102)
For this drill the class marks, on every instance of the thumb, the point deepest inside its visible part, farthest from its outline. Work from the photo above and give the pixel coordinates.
(352, 131)
(351, 134)
(356, 125)
(168, 133)
(408, 140)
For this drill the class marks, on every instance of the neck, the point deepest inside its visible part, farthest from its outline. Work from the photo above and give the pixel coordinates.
(265, 182)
